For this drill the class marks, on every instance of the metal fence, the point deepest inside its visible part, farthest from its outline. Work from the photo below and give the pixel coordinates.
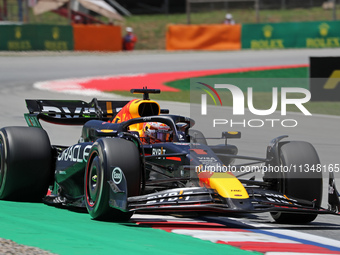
(210, 5)
(263, 4)
(282, 4)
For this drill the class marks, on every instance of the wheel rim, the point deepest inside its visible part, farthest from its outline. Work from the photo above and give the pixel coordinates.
(93, 182)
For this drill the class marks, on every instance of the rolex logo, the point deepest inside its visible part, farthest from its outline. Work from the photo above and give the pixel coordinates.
(17, 32)
(323, 29)
(267, 31)
(55, 33)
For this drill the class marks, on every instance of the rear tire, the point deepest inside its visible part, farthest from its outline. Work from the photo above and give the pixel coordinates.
(304, 185)
(25, 163)
(105, 155)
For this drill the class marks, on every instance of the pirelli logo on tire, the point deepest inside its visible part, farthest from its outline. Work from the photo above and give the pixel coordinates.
(325, 78)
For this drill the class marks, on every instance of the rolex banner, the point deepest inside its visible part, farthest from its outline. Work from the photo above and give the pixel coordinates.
(36, 37)
(325, 78)
(325, 34)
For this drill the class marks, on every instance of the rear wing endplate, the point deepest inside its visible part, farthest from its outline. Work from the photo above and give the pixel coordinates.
(71, 112)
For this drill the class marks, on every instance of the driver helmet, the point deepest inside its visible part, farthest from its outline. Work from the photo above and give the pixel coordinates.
(156, 132)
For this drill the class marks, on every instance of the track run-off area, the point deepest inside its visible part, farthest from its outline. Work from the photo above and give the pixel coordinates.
(44, 75)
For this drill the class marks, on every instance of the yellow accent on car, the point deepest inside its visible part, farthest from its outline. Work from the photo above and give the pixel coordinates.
(233, 133)
(228, 186)
(106, 130)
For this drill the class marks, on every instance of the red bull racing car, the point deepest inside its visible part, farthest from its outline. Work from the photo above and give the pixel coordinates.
(133, 156)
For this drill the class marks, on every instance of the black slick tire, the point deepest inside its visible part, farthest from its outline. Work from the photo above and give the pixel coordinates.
(25, 163)
(105, 155)
(305, 184)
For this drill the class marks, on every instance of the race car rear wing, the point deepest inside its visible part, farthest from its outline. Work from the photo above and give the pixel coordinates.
(70, 112)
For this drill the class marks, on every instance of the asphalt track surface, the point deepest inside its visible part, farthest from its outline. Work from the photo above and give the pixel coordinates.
(20, 70)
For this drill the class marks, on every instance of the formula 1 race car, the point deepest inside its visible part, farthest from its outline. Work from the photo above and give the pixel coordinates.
(133, 156)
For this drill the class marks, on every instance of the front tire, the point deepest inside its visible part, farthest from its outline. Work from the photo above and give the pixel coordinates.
(106, 155)
(25, 163)
(299, 184)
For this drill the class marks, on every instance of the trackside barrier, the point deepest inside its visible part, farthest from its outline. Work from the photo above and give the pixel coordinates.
(97, 37)
(203, 37)
(323, 34)
(35, 37)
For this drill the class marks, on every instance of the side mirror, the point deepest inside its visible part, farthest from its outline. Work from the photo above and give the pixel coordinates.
(230, 134)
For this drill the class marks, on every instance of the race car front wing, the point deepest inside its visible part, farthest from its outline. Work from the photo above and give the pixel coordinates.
(205, 200)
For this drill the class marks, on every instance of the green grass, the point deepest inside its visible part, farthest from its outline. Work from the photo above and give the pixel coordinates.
(280, 73)
(262, 97)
